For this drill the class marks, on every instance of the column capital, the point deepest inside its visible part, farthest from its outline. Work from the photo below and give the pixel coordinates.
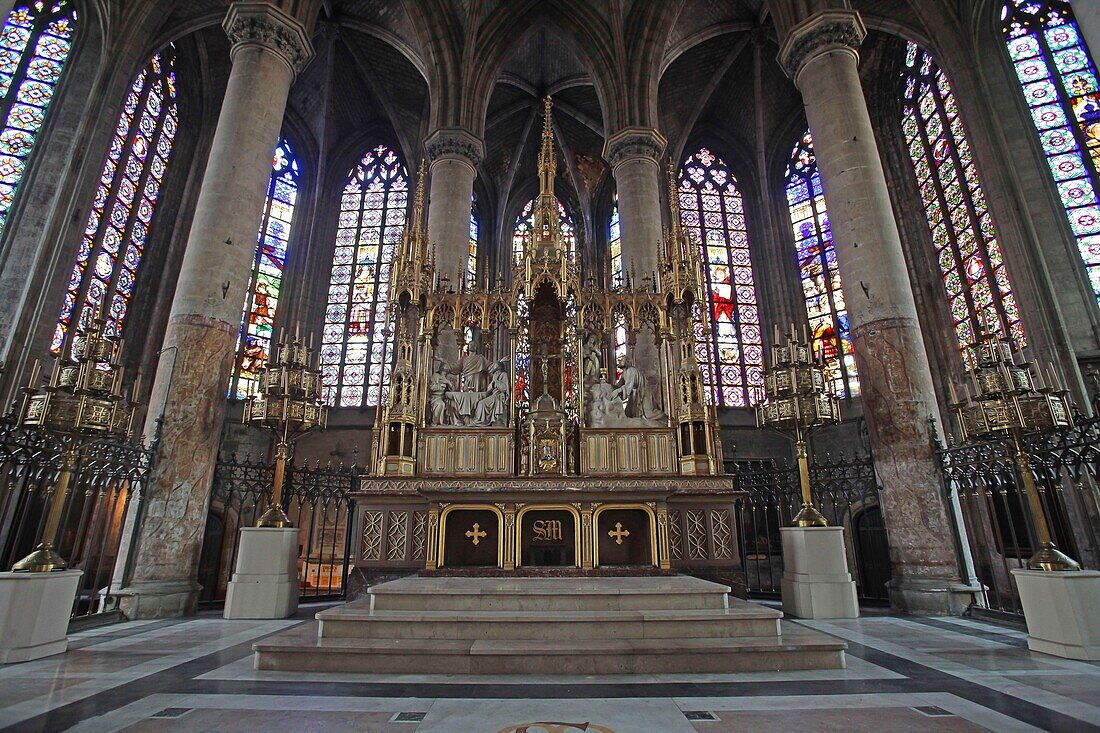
(251, 24)
(631, 143)
(455, 143)
(825, 31)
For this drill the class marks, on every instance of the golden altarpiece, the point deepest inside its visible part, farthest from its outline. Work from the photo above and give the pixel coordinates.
(546, 423)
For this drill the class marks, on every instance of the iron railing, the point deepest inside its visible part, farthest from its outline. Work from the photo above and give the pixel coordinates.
(316, 499)
(109, 474)
(999, 528)
(845, 492)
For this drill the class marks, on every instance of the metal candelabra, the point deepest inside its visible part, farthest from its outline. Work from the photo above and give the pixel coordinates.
(81, 402)
(289, 405)
(798, 399)
(1008, 398)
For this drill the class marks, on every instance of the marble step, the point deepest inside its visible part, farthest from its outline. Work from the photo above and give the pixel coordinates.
(303, 652)
(358, 620)
(548, 594)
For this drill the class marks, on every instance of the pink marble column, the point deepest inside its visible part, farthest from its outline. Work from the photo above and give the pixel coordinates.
(819, 53)
(454, 154)
(269, 47)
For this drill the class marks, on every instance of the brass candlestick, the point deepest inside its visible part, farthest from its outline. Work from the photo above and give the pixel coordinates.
(80, 402)
(1009, 402)
(798, 399)
(289, 405)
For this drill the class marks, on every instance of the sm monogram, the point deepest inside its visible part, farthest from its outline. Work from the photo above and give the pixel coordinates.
(546, 530)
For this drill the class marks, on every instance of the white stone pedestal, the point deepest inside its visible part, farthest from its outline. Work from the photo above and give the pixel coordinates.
(1062, 610)
(34, 613)
(816, 581)
(265, 581)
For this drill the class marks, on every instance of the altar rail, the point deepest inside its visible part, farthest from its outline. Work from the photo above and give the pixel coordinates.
(1001, 535)
(845, 491)
(108, 477)
(315, 498)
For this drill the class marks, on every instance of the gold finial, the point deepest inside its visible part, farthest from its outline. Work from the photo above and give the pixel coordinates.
(673, 201)
(548, 162)
(418, 200)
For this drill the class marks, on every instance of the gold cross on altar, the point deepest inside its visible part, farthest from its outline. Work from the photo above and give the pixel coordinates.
(618, 533)
(476, 534)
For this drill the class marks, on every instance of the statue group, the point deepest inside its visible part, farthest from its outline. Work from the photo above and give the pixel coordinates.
(472, 393)
(628, 402)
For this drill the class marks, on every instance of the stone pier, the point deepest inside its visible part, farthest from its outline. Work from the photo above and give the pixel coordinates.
(819, 53)
(454, 154)
(634, 154)
(269, 47)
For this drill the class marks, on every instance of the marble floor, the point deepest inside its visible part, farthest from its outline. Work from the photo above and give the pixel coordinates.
(903, 674)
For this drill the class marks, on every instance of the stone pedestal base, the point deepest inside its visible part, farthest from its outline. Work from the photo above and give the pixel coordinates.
(931, 596)
(34, 613)
(162, 599)
(816, 581)
(1062, 611)
(265, 582)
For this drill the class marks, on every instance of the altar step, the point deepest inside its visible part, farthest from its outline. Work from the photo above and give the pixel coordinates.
(548, 626)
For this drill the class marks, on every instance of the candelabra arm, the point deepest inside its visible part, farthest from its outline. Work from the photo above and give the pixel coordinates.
(275, 516)
(808, 516)
(1048, 557)
(45, 558)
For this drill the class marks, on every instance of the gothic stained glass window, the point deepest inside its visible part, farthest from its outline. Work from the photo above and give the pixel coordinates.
(615, 245)
(254, 340)
(817, 267)
(712, 213)
(1059, 82)
(979, 293)
(114, 237)
(525, 222)
(355, 348)
(470, 276)
(34, 46)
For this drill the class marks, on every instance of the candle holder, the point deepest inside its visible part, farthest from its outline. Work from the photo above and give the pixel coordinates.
(81, 402)
(289, 405)
(798, 399)
(1012, 399)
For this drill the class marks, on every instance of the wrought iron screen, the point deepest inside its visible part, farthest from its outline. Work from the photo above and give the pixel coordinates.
(315, 497)
(845, 491)
(108, 476)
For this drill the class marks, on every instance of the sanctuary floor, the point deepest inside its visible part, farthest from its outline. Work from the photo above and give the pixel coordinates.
(904, 674)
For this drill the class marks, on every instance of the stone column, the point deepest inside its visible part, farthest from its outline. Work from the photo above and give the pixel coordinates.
(454, 154)
(634, 154)
(268, 49)
(1087, 13)
(819, 54)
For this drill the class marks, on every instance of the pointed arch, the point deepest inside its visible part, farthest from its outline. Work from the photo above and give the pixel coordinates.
(975, 278)
(356, 351)
(817, 267)
(265, 288)
(122, 211)
(616, 272)
(713, 214)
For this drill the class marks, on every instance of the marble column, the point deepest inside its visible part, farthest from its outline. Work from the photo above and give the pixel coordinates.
(269, 47)
(454, 154)
(634, 154)
(1087, 13)
(820, 55)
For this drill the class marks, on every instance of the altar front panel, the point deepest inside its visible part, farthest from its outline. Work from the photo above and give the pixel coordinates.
(619, 452)
(452, 452)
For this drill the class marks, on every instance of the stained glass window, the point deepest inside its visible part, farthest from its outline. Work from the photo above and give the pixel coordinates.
(254, 340)
(615, 245)
(470, 276)
(525, 222)
(34, 46)
(813, 241)
(355, 348)
(1059, 82)
(122, 210)
(712, 214)
(979, 293)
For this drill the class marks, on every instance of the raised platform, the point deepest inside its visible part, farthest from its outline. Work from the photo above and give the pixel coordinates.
(548, 626)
